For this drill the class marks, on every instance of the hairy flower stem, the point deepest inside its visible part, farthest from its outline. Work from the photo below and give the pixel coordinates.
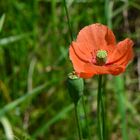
(100, 111)
(68, 19)
(86, 118)
(103, 116)
(105, 107)
(77, 120)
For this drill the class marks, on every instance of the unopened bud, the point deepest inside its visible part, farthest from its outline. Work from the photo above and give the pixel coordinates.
(75, 87)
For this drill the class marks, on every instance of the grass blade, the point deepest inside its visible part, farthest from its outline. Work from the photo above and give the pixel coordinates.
(7, 128)
(2, 19)
(119, 83)
(11, 39)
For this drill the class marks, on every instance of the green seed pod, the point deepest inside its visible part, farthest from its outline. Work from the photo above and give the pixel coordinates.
(75, 87)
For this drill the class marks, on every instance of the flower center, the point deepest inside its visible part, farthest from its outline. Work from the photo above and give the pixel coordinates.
(101, 57)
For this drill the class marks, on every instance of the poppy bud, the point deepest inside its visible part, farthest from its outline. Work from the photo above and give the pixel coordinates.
(75, 87)
(101, 57)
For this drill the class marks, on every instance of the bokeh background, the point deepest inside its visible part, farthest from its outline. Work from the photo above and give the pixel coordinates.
(34, 63)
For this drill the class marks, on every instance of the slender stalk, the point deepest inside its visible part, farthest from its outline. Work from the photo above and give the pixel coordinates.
(86, 118)
(105, 106)
(101, 111)
(68, 19)
(123, 117)
(99, 121)
(103, 116)
(77, 120)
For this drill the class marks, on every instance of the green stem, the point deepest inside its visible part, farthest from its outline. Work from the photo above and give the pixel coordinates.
(103, 116)
(123, 117)
(105, 106)
(100, 111)
(68, 19)
(99, 125)
(77, 120)
(86, 118)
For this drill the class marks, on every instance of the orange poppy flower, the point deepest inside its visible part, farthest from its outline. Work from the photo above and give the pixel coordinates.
(95, 52)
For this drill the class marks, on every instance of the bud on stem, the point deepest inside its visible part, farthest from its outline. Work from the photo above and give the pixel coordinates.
(75, 87)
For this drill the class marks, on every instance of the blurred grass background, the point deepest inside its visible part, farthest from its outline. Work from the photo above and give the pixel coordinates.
(34, 63)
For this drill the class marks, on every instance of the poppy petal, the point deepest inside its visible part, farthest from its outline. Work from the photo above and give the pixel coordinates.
(97, 36)
(85, 75)
(116, 69)
(123, 53)
(82, 51)
(111, 69)
(110, 37)
(78, 64)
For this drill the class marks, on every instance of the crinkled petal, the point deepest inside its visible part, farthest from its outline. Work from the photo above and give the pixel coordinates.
(92, 70)
(85, 75)
(97, 36)
(82, 51)
(110, 69)
(123, 53)
(78, 64)
(116, 69)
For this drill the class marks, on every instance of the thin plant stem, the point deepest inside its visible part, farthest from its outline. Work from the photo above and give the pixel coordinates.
(77, 120)
(105, 106)
(123, 117)
(103, 116)
(86, 118)
(68, 19)
(100, 111)
(99, 125)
